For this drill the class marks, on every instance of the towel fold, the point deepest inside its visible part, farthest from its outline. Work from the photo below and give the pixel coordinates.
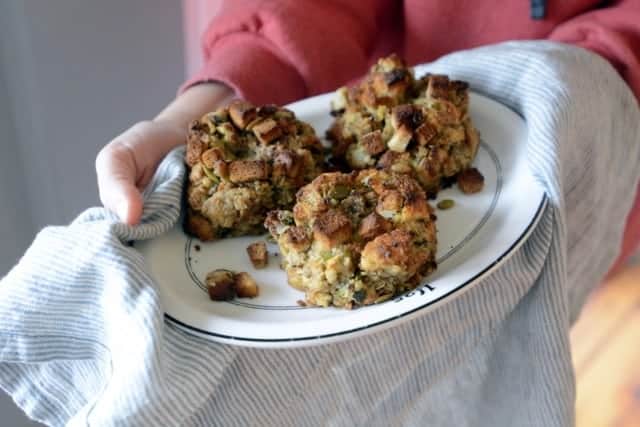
(83, 340)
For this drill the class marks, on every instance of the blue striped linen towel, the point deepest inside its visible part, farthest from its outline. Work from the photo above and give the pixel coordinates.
(83, 340)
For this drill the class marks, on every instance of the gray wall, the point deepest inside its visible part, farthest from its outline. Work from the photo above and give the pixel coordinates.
(73, 74)
(15, 218)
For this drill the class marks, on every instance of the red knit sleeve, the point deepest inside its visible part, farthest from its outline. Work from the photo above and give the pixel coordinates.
(613, 32)
(280, 50)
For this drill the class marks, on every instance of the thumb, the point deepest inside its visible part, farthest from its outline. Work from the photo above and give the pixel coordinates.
(116, 169)
(129, 207)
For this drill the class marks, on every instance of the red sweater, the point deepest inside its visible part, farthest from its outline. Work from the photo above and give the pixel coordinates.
(282, 50)
(277, 51)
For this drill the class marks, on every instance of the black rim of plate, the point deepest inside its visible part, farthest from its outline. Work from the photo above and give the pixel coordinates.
(496, 263)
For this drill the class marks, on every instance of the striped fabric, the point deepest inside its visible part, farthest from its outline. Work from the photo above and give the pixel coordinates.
(83, 340)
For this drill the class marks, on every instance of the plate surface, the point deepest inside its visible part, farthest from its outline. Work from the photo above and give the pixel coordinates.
(474, 237)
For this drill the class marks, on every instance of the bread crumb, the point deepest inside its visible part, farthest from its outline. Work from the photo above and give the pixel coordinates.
(470, 181)
(246, 286)
(258, 254)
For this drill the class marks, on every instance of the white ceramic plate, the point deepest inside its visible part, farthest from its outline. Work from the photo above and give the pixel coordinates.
(474, 237)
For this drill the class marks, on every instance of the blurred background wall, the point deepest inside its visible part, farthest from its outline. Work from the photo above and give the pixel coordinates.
(73, 74)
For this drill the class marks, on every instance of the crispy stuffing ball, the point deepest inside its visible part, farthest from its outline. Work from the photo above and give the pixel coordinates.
(244, 161)
(356, 239)
(393, 121)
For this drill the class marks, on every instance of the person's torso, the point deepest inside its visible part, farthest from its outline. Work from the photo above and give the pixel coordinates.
(434, 28)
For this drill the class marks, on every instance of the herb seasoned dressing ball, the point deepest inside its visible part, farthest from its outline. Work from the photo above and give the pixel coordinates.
(356, 239)
(244, 161)
(393, 121)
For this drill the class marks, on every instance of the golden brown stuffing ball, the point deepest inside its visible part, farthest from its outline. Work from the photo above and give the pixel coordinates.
(393, 121)
(244, 161)
(356, 239)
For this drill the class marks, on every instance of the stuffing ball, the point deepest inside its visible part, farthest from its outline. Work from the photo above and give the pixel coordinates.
(243, 162)
(356, 239)
(393, 121)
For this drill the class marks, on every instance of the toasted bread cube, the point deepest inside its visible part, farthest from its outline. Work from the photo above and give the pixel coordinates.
(221, 169)
(200, 226)
(230, 134)
(295, 238)
(388, 159)
(445, 112)
(332, 228)
(372, 143)
(242, 113)
(392, 84)
(438, 87)
(400, 140)
(425, 133)
(258, 254)
(221, 285)
(390, 203)
(245, 286)
(372, 226)
(267, 131)
(416, 208)
(407, 116)
(470, 181)
(248, 170)
(390, 253)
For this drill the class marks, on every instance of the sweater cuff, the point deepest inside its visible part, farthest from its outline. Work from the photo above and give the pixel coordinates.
(246, 64)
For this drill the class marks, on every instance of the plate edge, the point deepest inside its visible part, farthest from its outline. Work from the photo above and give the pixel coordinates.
(351, 333)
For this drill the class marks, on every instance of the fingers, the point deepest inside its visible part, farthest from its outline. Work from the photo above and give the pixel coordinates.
(116, 169)
(130, 211)
(126, 165)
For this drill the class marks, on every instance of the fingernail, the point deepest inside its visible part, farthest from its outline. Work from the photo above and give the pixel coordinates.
(122, 209)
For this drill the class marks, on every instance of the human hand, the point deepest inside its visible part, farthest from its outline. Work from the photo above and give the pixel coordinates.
(126, 164)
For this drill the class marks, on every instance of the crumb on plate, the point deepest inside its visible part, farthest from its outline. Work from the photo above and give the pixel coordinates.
(258, 254)
(470, 181)
(225, 285)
